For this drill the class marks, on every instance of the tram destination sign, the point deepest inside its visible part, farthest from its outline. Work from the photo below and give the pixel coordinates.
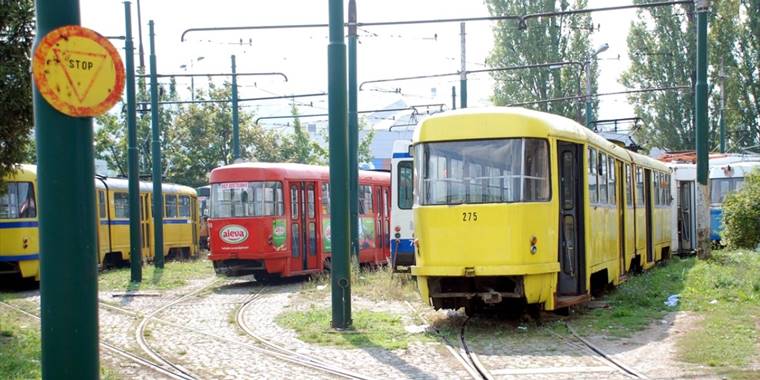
(78, 71)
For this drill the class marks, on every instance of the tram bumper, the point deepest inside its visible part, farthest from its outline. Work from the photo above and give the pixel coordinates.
(451, 287)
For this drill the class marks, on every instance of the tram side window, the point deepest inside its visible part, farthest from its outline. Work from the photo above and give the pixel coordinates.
(121, 205)
(611, 184)
(602, 178)
(594, 197)
(721, 187)
(18, 201)
(170, 206)
(536, 176)
(245, 199)
(405, 185)
(294, 202)
(668, 195)
(326, 199)
(639, 187)
(365, 200)
(102, 203)
(184, 206)
(628, 186)
(657, 188)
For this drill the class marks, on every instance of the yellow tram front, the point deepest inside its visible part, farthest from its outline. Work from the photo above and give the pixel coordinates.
(19, 243)
(485, 219)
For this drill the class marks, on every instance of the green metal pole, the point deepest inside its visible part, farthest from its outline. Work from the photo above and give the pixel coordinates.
(133, 167)
(463, 72)
(703, 218)
(235, 121)
(353, 128)
(722, 76)
(155, 128)
(68, 252)
(339, 173)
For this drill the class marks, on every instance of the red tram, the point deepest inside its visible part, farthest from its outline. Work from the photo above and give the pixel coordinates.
(274, 219)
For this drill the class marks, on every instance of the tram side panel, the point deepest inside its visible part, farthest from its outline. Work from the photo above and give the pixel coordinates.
(19, 228)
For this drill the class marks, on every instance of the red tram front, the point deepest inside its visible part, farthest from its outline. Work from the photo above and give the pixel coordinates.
(274, 219)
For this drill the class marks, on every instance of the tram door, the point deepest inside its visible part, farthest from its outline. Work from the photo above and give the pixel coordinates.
(145, 222)
(303, 226)
(685, 231)
(386, 223)
(649, 210)
(571, 247)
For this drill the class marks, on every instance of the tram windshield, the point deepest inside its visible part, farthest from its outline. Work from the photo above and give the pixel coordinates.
(242, 199)
(482, 171)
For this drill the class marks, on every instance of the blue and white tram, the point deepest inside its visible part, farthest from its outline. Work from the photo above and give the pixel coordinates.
(402, 183)
(727, 174)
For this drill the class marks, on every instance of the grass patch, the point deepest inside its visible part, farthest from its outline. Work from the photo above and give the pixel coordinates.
(637, 302)
(378, 283)
(175, 274)
(724, 290)
(19, 349)
(370, 329)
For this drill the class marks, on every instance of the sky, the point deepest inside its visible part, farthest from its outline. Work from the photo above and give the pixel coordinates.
(383, 52)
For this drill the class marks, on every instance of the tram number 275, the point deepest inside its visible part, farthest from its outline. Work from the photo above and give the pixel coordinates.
(469, 216)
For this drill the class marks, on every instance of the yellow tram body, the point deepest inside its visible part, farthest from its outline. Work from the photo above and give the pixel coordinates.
(487, 231)
(19, 245)
(19, 229)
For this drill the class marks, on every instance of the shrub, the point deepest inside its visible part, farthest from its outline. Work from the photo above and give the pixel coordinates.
(741, 214)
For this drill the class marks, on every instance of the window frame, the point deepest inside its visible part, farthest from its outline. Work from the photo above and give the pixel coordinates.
(410, 165)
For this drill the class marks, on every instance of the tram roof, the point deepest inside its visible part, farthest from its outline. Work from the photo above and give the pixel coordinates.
(263, 171)
(123, 184)
(24, 172)
(489, 122)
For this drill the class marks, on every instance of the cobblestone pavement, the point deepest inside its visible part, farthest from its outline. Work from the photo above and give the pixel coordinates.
(419, 361)
(508, 354)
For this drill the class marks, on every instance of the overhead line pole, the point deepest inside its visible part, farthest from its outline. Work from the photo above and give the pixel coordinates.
(353, 130)
(340, 278)
(463, 71)
(67, 229)
(133, 167)
(702, 125)
(235, 125)
(158, 194)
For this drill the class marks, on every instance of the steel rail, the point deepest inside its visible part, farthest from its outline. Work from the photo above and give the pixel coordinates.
(453, 350)
(482, 370)
(627, 370)
(285, 356)
(305, 360)
(140, 331)
(124, 353)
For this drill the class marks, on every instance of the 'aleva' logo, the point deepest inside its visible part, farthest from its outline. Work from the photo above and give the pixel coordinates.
(233, 234)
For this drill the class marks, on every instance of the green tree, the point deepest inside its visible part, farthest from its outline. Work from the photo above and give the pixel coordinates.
(111, 132)
(16, 37)
(201, 139)
(544, 40)
(741, 214)
(300, 147)
(662, 48)
(663, 56)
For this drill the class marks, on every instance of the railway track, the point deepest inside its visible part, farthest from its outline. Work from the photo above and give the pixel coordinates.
(118, 351)
(459, 353)
(269, 349)
(294, 357)
(608, 359)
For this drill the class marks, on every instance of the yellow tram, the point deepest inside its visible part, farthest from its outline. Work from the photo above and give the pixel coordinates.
(19, 242)
(519, 206)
